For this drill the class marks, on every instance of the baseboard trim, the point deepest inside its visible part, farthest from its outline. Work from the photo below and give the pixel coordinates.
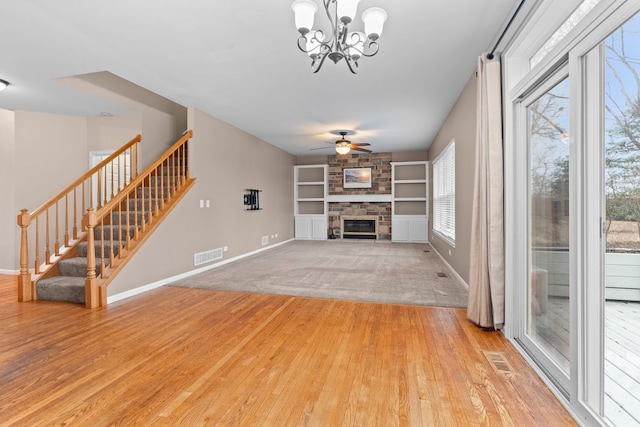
(154, 285)
(10, 272)
(451, 270)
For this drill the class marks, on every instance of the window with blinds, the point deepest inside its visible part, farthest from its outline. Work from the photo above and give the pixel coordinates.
(444, 194)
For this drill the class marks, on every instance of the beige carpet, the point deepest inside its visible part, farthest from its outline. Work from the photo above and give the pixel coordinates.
(402, 273)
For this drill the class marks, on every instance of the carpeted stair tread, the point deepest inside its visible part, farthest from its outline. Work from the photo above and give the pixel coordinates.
(83, 246)
(119, 232)
(154, 190)
(120, 217)
(77, 266)
(61, 288)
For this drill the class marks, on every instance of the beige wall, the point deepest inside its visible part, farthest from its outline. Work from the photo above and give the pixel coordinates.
(225, 161)
(461, 126)
(112, 132)
(44, 143)
(8, 210)
(162, 120)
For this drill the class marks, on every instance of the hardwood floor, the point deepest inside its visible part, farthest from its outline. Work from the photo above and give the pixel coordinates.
(178, 356)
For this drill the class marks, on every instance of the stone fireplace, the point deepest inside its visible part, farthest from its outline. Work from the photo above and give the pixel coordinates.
(380, 211)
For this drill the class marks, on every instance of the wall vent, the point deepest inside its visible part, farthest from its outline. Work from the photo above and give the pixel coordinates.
(265, 240)
(207, 256)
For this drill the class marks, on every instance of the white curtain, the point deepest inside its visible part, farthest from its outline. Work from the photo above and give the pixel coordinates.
(486, 271)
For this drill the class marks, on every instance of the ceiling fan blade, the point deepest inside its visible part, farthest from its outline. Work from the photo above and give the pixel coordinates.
(364, 150)
(321, 148)
(362, 144)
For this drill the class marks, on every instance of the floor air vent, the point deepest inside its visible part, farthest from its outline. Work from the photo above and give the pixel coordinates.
(441, 274)
(499, 363)
(207, 256)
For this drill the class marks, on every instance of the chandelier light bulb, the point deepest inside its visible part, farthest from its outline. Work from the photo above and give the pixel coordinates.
(304, 13)
(374, 19)
(346, 10)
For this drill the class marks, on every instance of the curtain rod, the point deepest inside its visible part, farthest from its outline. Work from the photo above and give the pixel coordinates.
(490, 54)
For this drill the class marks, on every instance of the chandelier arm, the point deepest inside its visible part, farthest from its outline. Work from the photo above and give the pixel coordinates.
(353, 69)
(303, 40)
(319, 61)
(373, 45)
(302, 43)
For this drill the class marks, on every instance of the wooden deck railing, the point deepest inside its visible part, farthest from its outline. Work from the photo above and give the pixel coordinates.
(52, 229)
(151, 194)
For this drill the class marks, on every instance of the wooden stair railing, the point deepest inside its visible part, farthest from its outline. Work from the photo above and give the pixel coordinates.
(47, 225)
(144, 203)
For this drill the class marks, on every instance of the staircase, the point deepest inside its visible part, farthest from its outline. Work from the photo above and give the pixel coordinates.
(80, 269)
(69, 286)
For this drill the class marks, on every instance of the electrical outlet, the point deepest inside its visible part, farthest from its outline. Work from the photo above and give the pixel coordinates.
(226, 248)
(276, 234)
(449, 252)
(201, 203)
(208, 203)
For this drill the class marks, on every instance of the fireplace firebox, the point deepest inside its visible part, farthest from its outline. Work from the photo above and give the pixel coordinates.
(359, 227)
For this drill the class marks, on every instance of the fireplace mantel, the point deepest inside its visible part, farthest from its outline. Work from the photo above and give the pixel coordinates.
(359, 198)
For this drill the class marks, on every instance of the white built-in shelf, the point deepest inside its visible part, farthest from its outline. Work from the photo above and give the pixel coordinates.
(410, 201)
(310, 194)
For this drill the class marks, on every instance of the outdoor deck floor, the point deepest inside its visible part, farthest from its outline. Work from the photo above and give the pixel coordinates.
(621, 351)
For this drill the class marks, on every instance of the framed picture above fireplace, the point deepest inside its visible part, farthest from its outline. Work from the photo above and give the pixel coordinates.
(357, 178)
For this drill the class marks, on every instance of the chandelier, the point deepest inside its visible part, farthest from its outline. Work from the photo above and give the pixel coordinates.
(342, 43)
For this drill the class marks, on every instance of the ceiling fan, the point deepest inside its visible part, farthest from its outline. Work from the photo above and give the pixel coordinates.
(343, 146)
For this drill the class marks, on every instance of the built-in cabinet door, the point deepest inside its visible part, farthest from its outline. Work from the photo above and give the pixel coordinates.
(311, 227)
(302, 228)
(319, 228)
(400, 230)
(409, 229)
(419, 230)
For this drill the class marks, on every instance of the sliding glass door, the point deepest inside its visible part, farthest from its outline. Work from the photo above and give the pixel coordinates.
(547, 324)
(573, 212)
(620, 253)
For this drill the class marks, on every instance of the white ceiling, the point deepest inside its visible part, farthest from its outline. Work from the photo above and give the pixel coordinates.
(238, 61)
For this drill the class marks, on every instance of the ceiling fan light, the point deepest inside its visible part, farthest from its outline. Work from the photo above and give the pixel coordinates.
(346, 10)
(304, 13)
(3, 84)
(374, 19)
(342, 148)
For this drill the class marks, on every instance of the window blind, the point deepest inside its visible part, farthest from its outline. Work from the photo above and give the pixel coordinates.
(444, 194)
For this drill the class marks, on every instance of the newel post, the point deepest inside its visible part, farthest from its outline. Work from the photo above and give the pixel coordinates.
(25, 290)
(91, 296)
